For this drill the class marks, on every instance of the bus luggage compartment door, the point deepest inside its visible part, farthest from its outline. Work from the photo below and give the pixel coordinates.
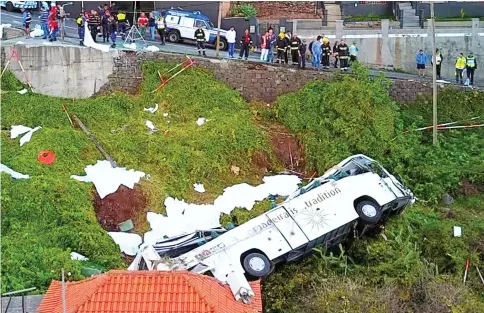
(287, 226)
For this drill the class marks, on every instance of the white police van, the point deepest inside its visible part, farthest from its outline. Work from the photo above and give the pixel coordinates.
(182, 24)
(11, 5)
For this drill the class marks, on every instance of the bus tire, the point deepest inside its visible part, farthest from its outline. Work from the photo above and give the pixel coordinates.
(369, 212)
(257, 265)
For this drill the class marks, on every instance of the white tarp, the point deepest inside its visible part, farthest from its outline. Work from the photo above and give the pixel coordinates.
(18, 130)
(185, 217)
(128, 243)
(37, 32)
(14, 174)
(89, 42)
(107, 179)
(78, 257)
(199, 188)
(152, 48)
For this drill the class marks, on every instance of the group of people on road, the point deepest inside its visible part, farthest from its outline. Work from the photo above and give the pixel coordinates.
(462, 63)
(321, 53)
(51, 20)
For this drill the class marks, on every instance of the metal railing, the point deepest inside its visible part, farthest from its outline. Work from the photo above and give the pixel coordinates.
(17, 292)
(325, 13)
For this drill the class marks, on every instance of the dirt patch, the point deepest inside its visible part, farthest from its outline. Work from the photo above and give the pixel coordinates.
(118, 207)
(469, 189)
(260, 159)
(286, 147)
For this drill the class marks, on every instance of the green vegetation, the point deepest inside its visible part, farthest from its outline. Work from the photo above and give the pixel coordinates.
(368, 18)
(50, 215)
(243, 10)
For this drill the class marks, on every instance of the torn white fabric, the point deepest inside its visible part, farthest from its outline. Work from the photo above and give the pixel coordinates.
(107, 179)
(457, 231)
(152, 110)
(185, 218)
(89, 42)
(152, 48)
(201, 121)
(17, 130)
(128, 243)
(130, 45)
(14, 174)
(199, 188)
(22, 92)
(151, 126)
(37, 32)
(78, 257)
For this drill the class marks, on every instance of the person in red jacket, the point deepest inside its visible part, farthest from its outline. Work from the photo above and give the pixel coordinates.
(53, 28)
(142, 23)
(245, 43)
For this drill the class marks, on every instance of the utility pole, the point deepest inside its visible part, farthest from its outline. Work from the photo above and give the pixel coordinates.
(63, 293)
(219, 24)
(434, 76)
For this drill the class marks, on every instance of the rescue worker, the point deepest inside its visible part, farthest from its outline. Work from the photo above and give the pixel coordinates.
(26, 20)
(94, 24)
(316, 52)
(471, 66)
(302, 54)
(81, 19)
(438, 62)
(335, 54)
(113, 28)
(326, 51)
(161, 26)
(287, 38)
(460, 65)
(245, 44)
(281, 44)
(343, 53)
(353, 52)
(44, 20)
(200, 37)
(122, 24)
(105, 25)
(295, 43)
(142, 23)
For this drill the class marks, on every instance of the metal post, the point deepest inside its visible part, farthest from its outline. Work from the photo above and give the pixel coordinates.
(134, 14)
(434, 76)
(63, 293)
(219, 23)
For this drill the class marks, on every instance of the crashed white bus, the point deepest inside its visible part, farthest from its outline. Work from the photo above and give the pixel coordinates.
(356, 194)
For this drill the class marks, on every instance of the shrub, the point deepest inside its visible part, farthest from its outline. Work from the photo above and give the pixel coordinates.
(243, 10)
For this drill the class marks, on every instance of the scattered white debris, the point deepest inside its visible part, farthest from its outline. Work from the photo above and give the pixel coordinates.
(199, 188)
(37, 32)
(152, 110)
(78, 257)
(201, 121)
(128, 243)
(151, 126)
(20, 43)
(47, 43)
(165, 114)
(23, 91)
(235, 169)
(130, 45)
(457, 231)
(89, 42)
(107, 179)
(18, 130)
(441, 81)
(152, 48)
(14, 174)
(185, 217)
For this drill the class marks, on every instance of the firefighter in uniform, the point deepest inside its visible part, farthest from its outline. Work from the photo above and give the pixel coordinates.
(343, 54)
(161, 26)
(80, 27)
(438, 62)
(471, 66)
(281, 44)
(200, 36)
(122, 24)
(295, 43)
(326, 52)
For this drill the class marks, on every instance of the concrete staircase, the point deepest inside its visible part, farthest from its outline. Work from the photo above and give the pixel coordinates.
(334, 12)
(410, 19)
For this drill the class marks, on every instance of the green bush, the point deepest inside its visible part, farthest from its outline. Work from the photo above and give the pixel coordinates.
(243, 10)
(10, 82)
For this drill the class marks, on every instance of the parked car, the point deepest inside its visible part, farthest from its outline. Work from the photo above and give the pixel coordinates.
(12, 5)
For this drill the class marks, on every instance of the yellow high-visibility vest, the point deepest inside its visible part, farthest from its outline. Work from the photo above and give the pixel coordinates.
(160, 23)
(471, 63)
(461, 63)
(121, 17)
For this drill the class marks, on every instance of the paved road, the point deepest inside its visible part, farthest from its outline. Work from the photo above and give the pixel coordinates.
(15, 18)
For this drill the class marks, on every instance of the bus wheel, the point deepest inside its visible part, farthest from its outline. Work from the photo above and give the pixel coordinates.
(257, 265)
(369, 212)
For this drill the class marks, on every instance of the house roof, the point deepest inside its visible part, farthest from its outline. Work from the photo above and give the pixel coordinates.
(147, 292)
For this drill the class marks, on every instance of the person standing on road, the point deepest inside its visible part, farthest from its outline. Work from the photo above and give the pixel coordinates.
(335, 54)
(200, 36)
(316, 59)
(421, 60)
(288, 47)
(152, 26)
(438, 62)
(44, 19)
(326, 50)
(161, 26)
(142, 23)
(94, 24)
(302, 54)
(231, 38)
(353, 52)
(122, 24)
(61, 19)
(272, 45)
(264, 46)
(295, 43)
(471, 66)
(81, 19)
(105, 25)
(281, 47)
(460, 65)
(53, 27)
(343, 53)
(245, 44)
(113, 27)
(26, 20)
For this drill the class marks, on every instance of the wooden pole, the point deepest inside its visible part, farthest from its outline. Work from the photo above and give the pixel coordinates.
(96, 142)
(219, 24)
(63, 293)
(434, 76)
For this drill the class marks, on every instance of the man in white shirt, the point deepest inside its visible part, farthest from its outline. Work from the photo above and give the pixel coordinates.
(231, 35)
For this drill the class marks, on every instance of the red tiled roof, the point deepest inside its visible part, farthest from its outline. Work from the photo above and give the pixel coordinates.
(147, 292)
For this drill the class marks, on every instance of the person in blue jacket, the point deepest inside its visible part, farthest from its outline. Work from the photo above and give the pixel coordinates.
(421, 60)
(44, 19)
(26, 20)
(316, 52)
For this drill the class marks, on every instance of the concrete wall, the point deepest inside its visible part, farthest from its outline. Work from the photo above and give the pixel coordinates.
(70, 72)
(453, 9)
(348, 8)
